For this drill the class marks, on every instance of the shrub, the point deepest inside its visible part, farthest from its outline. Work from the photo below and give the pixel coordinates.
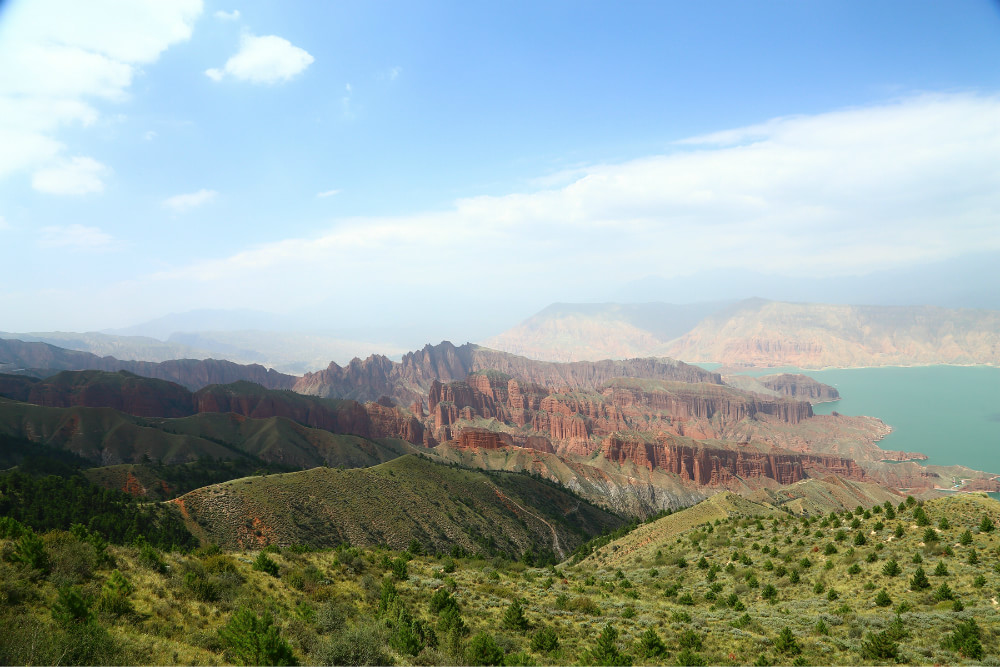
(71, 607)
(360, 645)
(944, 592)
(30, 550)
(965, 539)
(941, 570)
(263, 563)
(879, 647)
(930, 535)
(986, 525)
(854, 569)
(689, 657)
(883, 599)
(786, 642)
(605, 651)
(254, 640)
(891, 568)
(545, 640)
(918, 581)
(400, 570)
(966, 639)
(860, 540)
(690, 639)
(513, 618)
(114, 595)
(651, 646)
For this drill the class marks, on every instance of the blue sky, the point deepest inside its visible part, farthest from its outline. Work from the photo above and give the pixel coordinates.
(359, 164)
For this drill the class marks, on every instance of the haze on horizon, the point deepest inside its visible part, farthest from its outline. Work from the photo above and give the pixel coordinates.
(449, 169)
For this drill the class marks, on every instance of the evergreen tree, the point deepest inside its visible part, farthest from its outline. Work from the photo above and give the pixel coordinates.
(879, 647)
(605, 651)
(254, 640)
(545, 640)
(941, 570)
(918, 581)
(514, 619)
(30, 550)
(891, 568)
(966, 639)
(883, 599)
(263, 563)
(786, 642)
(71, 607)
(650, 645)
(944, 592)
(965, 539)
(986, 525)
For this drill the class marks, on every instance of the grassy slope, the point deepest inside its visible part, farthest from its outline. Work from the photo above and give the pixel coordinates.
(393, 503)
(171, 625)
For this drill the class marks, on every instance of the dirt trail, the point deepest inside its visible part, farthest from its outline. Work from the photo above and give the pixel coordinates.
(556, 546)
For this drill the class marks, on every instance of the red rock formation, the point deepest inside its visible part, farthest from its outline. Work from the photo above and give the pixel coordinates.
(800, 386)
(717, 466)
(480, 438)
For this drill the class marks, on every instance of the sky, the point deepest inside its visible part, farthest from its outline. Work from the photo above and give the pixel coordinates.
(452, 167)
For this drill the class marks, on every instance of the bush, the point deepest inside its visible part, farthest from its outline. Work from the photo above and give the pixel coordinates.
(254, 640)
(114, 595)
(944, 592)
(786, 642)
(483, 650)
(30, 550)
(545, 640)
(918, 581)
(966, 639)
(400, 569)
(689, 657)
(605, 651)
(359, 645)
(71, 607)
(941, 570)
(883, 599)
(986, 525)
(513, 618)
(651, 646)
(879, 647)
(891, 568)
(263, 563)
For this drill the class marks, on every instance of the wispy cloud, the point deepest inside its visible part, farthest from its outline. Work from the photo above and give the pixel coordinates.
(266, 59)
(832, 194)
(63, 61)
(4, 225)
(228, 16)
(73, 176)
(77, 237)
(394, 73)
(327, 193)
(185, 202)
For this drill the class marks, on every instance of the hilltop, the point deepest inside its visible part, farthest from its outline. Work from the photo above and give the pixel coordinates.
(757, 332)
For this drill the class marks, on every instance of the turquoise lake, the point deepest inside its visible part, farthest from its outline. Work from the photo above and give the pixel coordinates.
(949, 413)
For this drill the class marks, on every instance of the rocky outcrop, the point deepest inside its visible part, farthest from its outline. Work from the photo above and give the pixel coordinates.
(800, 386)
(480, 438)
(410, 379)
(708, 466)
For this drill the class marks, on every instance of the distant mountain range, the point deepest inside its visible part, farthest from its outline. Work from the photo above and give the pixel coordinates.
(756, 332)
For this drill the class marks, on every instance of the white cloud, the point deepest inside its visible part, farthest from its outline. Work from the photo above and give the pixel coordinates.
(149, 135)
(327, 193)
(186, 202)
(62, 58)
(77, 237)
(394, 73)
(265, 59)
(228, 16)
(4, 224)
(833, 194)
(73, 176)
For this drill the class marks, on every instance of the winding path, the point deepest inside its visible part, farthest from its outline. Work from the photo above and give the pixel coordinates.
(556, 546)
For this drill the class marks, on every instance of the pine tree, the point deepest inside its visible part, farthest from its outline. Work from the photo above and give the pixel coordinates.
(919, 580)
(986, 525)
(883, 599)
(605, 651)
(786, 642)
(254, 640)
(965, 539)
(879, 646)
(966, 639)
(514, 619)
(651, 645)
(545, 640)
(891, 568)
(483, 650)
(941, 570)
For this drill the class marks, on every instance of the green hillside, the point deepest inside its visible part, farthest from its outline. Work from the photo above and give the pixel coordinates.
(727, 582)
(408, 499)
